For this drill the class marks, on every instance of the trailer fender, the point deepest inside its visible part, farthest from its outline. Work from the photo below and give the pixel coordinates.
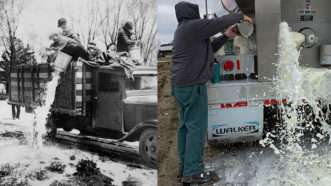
(135, 133)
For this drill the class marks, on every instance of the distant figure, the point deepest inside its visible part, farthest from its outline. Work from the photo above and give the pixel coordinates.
(62, 23)
(111, 51)
(16, 54)
(95, 53)
(16, 111)
(124, 40)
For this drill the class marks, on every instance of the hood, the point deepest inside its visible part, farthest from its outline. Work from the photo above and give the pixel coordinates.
(186, 11)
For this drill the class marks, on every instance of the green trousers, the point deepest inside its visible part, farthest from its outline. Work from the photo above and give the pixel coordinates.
(192, 129)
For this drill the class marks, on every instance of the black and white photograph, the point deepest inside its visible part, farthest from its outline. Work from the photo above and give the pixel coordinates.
(78, 93)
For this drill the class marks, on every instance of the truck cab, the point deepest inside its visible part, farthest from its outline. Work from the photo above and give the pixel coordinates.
(125, 105)
(110, 101)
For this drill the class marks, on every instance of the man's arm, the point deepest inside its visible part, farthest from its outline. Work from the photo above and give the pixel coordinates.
(205, 28)
(218, 42)
(230, 33)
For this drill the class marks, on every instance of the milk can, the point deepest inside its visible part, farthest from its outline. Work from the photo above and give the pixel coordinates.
(62, 61)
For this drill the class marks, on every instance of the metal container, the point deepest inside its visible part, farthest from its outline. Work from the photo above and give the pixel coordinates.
(135, 53)
(62, 61)
(325, 54)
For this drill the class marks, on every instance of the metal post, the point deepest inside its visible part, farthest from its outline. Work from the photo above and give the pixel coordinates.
(206, 3)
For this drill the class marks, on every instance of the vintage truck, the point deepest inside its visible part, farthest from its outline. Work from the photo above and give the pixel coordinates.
(98, 100)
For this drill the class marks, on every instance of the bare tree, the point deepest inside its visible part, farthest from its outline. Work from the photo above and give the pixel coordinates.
(150, 47)
(110, 22)
(144, 27)
(93, 20)
(9, 15)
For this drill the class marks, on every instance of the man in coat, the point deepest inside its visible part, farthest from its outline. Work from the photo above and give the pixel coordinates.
(190, 71)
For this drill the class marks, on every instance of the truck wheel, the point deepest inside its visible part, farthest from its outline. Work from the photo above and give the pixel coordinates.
(147, 147)
(51, 128)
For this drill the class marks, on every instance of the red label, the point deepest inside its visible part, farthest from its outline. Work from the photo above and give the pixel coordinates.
(240, 104)
(234, 105)
(274, 102)
(238, 64)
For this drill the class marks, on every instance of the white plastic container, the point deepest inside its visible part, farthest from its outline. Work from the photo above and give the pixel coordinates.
(245, 29)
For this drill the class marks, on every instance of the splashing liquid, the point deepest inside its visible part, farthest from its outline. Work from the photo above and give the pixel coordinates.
(305, 89)
(41, 113)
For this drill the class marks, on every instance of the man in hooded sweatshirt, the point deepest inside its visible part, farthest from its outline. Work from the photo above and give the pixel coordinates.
(190, 71)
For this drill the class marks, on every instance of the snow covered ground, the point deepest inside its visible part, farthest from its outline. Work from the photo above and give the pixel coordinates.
(16, 151)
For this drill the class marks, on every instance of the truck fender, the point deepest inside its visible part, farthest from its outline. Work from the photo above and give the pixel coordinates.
(135, 133)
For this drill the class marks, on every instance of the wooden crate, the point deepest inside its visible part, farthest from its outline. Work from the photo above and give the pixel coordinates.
(76, 87)
(27, 82)
(73, 94)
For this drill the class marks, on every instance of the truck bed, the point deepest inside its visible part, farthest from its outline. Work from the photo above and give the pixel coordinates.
(73, 93)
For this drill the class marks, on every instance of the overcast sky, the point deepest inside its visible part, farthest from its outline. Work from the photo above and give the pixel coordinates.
(167, 22)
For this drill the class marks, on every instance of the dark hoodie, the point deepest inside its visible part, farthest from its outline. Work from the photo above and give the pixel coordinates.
(193, 51)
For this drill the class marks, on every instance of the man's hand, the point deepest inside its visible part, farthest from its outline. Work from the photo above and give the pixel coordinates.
(231, 32)
(248, 19)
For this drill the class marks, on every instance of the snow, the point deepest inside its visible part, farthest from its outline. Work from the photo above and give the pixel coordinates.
(30, 159)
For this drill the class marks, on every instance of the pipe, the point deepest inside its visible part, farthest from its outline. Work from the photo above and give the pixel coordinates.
(206, 3)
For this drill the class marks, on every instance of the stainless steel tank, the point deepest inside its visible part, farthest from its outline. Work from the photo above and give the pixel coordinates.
(310, 17)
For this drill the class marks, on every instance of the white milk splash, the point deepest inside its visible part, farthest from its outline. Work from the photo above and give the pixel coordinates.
(41, 113)
(301, 86)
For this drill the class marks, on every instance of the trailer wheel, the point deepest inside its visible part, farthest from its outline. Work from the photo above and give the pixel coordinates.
(51, 128)
(147, 147)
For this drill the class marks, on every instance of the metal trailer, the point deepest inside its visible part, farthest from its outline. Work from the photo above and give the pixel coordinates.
(99, 101)
(239, 103)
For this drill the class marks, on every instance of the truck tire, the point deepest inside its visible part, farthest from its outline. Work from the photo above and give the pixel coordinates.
(51, 128)
(147, 147)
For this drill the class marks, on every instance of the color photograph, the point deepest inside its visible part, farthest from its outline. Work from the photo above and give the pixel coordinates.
(244, 92)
